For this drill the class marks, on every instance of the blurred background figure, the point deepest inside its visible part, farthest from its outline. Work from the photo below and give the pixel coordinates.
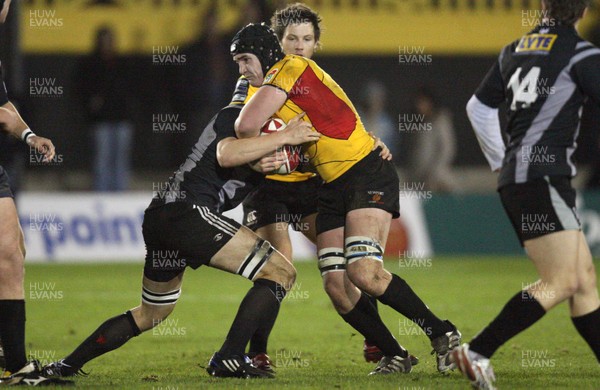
(203, 83)
(259, 11)
(202, 86)
(377, 120)
(103, 85)
(433, 145)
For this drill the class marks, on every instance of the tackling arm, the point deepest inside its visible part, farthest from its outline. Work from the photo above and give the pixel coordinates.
(232, 151)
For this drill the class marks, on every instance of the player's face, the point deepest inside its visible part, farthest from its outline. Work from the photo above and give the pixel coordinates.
(249, 67)
(299, 39)
(4, 11)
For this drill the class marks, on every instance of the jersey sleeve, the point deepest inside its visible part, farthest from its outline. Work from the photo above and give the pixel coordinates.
(225, 122)
(240, 93)
(285, 73)
(243, 91)
(3, 92)
(491, 90)
(587, 75)
(486, 124)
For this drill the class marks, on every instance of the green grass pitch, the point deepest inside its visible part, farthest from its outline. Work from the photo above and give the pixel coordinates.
(312, 347)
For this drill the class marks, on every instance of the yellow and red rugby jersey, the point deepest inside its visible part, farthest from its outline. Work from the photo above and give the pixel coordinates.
(243, 93)
(310, 89)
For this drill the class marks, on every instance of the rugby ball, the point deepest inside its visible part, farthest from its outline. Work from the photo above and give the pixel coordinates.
(293, 153)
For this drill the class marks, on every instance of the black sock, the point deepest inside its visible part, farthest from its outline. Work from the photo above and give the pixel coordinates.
(259, 307)
(373, 302)
(12, 331)
(260, 338)
(405, 301)
(110, 335)
(365, 319)
(588, 326)
(522, 311)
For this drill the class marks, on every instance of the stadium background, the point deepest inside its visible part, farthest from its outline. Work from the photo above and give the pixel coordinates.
(447, 45)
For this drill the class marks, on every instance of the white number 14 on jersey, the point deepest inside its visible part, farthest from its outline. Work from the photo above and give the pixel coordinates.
(524, 91)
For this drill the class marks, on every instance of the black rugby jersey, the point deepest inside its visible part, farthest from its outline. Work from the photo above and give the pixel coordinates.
(201, 180)
(544, 78)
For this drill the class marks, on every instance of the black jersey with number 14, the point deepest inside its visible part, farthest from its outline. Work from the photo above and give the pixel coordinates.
(544, 78)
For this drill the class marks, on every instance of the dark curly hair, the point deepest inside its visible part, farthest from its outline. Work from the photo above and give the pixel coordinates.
(566, 11)
(296, 13)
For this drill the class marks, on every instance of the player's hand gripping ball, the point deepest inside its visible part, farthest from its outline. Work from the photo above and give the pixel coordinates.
(293, 154)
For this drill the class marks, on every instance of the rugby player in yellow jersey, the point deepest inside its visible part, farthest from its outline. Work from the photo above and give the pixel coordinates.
(291, 200)
(356, 203)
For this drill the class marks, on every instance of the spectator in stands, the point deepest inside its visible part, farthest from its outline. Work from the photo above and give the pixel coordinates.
(103, 84)
(374, 116)
(201, 87)
(434, 144)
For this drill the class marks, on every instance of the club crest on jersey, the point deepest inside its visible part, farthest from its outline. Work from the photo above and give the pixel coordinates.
(271, 74)
(376, 197)
(251, 218)
(536, 43)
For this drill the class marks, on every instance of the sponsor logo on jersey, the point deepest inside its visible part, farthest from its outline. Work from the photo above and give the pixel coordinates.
(218, 237)
(271, 74)
(536, 43)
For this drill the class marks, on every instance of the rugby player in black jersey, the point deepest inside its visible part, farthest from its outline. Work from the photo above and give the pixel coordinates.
(18, 371)
(543, 78)
(186, 218)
